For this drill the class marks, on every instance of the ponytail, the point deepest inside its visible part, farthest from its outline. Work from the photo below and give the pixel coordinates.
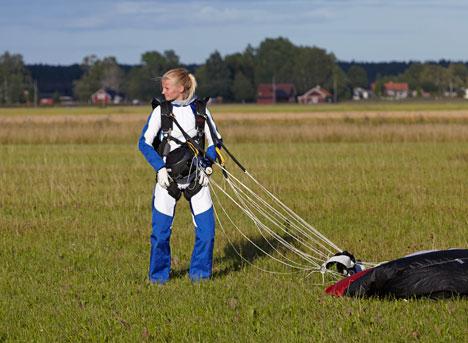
(193, 85)
(182, 77)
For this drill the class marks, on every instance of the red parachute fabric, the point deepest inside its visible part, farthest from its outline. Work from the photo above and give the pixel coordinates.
(338, 289)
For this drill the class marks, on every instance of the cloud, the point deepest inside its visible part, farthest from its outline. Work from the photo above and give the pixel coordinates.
(175, 15)
(125, 28)
(87, 22)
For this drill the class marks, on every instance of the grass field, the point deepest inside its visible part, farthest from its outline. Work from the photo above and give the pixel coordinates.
(75, 223)
(353, 106)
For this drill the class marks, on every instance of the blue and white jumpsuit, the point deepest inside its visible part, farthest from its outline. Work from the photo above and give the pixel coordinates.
(163, 204)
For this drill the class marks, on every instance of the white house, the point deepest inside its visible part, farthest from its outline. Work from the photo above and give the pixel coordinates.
(361, 93)
(314, 96)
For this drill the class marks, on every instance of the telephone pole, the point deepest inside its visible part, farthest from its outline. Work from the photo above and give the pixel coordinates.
(335, 88)
(5, 83)
(35, 93)
(273, 87)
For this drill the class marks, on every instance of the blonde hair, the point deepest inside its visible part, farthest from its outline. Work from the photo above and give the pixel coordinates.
(181, 76)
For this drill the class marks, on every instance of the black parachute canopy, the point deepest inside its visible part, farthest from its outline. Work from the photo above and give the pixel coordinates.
(434, 274)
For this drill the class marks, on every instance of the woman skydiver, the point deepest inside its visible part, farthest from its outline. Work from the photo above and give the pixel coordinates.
(175, 153)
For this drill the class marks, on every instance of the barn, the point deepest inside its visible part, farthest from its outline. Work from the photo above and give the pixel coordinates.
(270, 93)
(106, 96)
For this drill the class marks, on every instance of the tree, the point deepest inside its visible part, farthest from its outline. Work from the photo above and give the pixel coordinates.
(242, 88)
(458, 75)
(133, 84)
(15, 80)
(312, 67)
(279, 60)
(143, 82)
(51, 79)
(104, 73)
(172, 60)
(214, 77)
(90, 81)
(434, 78)
(357, 77)
(241, 68)
(412, 76)
(338, 84)
(112, 74)
(88, 62)
(430, 77)
(275, 60)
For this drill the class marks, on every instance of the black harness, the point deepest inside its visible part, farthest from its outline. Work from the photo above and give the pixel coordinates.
(167, 120)
(181, 161)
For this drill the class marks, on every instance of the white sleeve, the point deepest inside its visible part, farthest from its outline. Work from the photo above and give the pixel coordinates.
(207, 128)
(154, 124)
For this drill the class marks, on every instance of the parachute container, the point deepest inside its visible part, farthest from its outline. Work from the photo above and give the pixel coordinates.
(434, 274)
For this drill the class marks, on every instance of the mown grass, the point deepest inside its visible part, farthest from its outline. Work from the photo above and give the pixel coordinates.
(75, 225)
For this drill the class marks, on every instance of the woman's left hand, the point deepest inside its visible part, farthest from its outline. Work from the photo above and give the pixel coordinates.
(204, 179)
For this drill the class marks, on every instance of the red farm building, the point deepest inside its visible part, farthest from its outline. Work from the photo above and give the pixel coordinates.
(106, 96)
(268, 93)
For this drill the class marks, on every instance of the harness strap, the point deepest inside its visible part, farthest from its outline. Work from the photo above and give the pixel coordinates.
(200, 116)
(214, 137)
(166, 125)
(167, 119)
(175, 140)
(189, 139)
(200, 109)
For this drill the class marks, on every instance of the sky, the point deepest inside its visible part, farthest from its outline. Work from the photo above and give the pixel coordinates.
(62, 32)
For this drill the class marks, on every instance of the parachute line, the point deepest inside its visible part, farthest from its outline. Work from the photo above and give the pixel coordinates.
(290, 240)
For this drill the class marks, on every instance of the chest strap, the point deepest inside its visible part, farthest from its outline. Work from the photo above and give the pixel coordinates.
(168, 119)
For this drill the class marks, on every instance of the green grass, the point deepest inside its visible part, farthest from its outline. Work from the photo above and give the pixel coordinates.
(75, 226)
(351, 106)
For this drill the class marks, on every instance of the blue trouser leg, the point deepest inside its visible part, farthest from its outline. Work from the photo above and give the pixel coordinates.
(160, 258)
(163, 214)
(202, 255)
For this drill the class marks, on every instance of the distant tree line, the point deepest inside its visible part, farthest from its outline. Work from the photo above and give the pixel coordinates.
(431, 79)
(234, 77)
(55, 80)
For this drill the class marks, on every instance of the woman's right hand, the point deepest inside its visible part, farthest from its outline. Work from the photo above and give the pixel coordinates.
(163, 178)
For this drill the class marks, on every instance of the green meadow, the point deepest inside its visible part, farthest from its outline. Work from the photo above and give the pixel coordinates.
(350, 106)
(75, 221)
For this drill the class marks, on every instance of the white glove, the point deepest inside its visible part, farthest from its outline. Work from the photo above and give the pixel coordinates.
(163, 178)
(204, 179)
